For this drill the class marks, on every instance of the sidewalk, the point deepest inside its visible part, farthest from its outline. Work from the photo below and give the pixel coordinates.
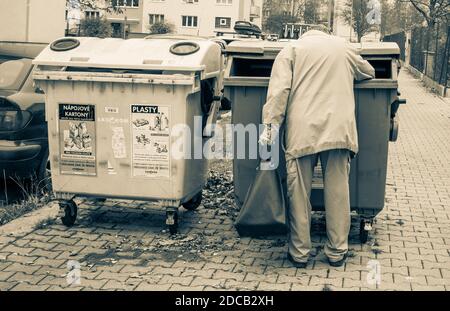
(121, 245)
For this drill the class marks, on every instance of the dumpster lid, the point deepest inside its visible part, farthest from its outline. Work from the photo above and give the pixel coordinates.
(378, 48)
(163, 53)
(262, 47)
(255, 46)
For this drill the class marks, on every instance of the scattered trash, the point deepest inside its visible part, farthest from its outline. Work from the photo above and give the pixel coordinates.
(218, 193)
(351, 253)
(376, 251)
(400, 222)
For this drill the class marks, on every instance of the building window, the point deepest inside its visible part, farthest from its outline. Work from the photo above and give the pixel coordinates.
(189, 21)
(223, 22)
(224, 1)
(126, 3)
(92, 14)
(155, 18)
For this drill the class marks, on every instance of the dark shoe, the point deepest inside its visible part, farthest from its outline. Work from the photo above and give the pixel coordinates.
(338, 263)
(297, 264)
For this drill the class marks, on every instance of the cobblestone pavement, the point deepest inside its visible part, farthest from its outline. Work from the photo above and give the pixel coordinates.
(122, 245)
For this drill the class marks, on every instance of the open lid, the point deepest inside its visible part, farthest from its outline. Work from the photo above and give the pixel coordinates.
(255, 46)
(270, 47)
(378, 48)
(159, 53)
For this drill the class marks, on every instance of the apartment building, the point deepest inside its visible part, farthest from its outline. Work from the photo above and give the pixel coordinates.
(32, 21)
(192, 17)
(128, 15)
(129, 18)
(201, 17)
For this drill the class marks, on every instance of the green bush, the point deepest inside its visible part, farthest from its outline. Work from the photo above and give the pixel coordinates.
(95, 27)
(161, 28)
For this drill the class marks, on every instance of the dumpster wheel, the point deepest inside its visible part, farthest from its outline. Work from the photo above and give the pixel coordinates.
(172, 221)
(364, 227)
(70, 212)
(193, 203)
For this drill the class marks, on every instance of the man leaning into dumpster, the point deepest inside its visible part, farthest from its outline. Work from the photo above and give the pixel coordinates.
(311, 93)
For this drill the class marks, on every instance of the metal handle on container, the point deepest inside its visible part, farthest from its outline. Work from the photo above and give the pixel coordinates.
(393, 133)
(396, 104)
(208, 131)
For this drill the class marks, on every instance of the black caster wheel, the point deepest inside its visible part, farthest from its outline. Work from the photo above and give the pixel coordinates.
(193, 203)
(364, 227)
(70, 212)
(172, 221)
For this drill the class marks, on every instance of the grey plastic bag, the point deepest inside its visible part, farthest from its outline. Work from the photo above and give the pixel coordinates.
(264, 210)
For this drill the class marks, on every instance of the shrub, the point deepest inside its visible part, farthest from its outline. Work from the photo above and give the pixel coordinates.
(161, 28)
(95, 27)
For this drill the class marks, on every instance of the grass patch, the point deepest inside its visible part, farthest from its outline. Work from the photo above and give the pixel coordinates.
(34, 197)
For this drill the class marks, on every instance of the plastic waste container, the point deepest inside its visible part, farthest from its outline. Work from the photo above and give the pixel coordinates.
(246, 81)
(112, 106)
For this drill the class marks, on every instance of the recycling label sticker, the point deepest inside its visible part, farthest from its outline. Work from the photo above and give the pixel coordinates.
(77, 139)
(150, 134)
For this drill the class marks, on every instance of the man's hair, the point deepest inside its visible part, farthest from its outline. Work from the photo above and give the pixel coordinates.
(321, 28)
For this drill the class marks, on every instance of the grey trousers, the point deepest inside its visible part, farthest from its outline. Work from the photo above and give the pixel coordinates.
(335, 169)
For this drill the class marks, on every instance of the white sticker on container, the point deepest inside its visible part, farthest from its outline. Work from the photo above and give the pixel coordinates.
(118, 143)
(77, 139)
(111, 109)
(150, 136)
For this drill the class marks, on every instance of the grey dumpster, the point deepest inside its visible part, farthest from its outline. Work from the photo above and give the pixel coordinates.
(246, 81)
(115, 109)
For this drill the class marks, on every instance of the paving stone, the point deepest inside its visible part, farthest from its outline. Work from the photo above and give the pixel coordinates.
(199, 281)
(274, 287)
(220, 274)
(21, 277)
(114, 284)
(5, 286)
(201, 273)
(303, 280)
(168, 271)
(181, 288)
(338, 282)
(168, 279)
(18, 250)
(239, 285)
(43, 253)
(437, 281)
(221, 266)
(27, 287)
(104, 275)
(418, 287)
(18, 267)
